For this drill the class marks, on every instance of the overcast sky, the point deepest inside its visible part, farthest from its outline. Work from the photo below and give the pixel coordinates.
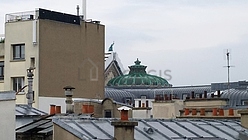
(183, 41)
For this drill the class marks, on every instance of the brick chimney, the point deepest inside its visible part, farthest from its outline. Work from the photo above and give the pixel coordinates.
(68, 100)
(244, 117)
(124, 129)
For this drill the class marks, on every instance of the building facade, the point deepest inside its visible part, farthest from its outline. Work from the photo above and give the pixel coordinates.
(7, 117)
(61, 48)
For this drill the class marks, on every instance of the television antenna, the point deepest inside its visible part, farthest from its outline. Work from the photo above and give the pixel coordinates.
(228, 70)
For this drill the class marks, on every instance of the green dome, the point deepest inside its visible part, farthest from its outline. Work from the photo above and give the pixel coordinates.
(138, 77)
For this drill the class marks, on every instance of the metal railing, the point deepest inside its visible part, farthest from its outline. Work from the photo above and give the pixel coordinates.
(21, 16)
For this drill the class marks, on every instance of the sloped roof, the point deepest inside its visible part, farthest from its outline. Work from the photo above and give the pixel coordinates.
(157, 129)
(176, 91)
(7, 95)
(43, 125)
(25, 110)
(117, 95)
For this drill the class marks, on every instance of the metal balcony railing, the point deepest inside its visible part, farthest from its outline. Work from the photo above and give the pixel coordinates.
(21, 16)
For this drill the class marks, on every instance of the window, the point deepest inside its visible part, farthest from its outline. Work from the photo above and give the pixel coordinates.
(108, 114)
(19, 51)
(18, 83)
(245, 102)
(1, 70)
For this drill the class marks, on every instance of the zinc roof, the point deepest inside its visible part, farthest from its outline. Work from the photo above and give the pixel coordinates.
(25, 110)
(157, 129)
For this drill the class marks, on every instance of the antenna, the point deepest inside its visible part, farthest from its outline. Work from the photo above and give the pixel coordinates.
(84, 10)
(77, 10)
(228, 70)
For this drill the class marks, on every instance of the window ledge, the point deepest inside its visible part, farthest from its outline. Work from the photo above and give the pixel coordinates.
(1, 81)
(17, 60)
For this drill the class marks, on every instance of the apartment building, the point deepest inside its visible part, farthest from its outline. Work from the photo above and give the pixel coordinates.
(62, 49)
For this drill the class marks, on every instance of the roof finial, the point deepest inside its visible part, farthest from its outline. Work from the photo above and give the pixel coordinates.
(137, 62)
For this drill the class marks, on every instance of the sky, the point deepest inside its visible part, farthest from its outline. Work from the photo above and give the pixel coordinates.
(183, 41)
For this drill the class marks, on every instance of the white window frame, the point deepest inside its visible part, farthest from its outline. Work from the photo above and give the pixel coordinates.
(17, 84)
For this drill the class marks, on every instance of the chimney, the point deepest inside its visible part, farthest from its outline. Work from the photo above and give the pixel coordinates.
(214, 112)
(218, 93)
(124, 129)
(68, 100)
(52, 109)
(221, 112)
(230, 112)
(212, 95)
(194, 111)
(202, 113)
(77, 10)
(205, 94)
(58, 109)
(244, 117)
(192, 95)
(186, 111)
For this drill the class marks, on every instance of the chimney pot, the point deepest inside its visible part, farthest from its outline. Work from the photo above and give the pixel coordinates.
(221, 112)
(186, 111)
(194, 112)
(212, 95)
(58, 109)
(124, 112)
(192, 94)
(231, 113)
(214, 112)
(205, 94)
(218, 93)
(52, 109)
(202, 113)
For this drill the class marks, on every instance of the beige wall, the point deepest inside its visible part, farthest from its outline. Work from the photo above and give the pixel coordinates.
(71, 55)
(244, 117)
(141, 113)
(100, 107)
(61, 134)
(167, 109)
(209, 103)
(20, 33)
(7, 120)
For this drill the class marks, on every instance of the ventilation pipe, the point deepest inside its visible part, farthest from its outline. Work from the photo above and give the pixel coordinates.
(68, 100)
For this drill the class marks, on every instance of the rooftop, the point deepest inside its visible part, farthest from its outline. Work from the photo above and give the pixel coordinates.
(148, 129)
